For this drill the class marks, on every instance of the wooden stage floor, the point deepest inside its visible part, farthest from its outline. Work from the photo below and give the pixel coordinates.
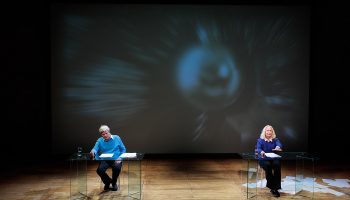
(162, 179)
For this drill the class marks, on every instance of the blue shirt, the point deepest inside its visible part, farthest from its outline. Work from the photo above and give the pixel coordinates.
(113, 145)
(267, 146)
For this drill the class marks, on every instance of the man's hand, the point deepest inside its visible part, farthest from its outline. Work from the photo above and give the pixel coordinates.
(92, 155)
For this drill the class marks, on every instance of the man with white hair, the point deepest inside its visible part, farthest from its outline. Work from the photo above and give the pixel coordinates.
(112, 145)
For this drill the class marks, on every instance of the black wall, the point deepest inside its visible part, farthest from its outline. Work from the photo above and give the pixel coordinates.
(25, 78)
(329, 81)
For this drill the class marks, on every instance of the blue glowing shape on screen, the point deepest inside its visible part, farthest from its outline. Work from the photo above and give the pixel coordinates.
(208, 77)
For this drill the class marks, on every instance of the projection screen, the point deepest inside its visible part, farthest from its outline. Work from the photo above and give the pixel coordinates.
(179, 78)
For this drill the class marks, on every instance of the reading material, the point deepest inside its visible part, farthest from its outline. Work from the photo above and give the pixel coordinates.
(106, 155)
(272, 155)
(128, 155)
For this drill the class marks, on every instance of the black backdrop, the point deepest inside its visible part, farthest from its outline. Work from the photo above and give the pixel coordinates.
(26, 95)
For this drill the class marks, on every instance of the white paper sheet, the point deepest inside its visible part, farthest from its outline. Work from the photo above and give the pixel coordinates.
(106, 155)
(341, 183)
(272, 155)
(128, 155)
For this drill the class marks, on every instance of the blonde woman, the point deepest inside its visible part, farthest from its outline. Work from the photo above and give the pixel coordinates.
(268, 143)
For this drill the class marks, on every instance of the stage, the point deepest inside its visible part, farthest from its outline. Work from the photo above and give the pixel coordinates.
(166, 179)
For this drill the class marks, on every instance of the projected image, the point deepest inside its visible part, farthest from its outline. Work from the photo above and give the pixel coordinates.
(179, 78)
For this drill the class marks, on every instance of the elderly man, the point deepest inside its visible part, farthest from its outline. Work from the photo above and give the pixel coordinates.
(112, 146)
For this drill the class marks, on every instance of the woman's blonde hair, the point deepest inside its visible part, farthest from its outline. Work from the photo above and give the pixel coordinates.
(262, 135)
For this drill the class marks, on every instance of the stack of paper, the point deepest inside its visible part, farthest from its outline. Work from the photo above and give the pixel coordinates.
(106, 155)
(272, 155)
(128, 155)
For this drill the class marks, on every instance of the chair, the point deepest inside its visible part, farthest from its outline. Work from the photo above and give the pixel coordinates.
(261, 176)
(260, 173)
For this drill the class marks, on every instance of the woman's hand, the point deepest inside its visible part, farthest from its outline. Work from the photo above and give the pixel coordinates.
(277, 148)
(262, 153)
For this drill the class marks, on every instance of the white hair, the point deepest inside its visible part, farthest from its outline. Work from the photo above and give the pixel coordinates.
(262, 135)
(103, 128)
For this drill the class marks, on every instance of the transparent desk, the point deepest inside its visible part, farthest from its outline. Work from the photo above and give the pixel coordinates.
(78, 176)
(302, 182)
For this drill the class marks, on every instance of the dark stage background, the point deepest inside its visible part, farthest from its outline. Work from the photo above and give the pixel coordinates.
(26, 79)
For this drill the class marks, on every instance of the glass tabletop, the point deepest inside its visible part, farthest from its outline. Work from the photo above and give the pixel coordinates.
(86, 156)
(284, 155)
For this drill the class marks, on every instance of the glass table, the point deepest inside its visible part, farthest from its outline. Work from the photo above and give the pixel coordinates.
(78, 176)
(302, 181)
